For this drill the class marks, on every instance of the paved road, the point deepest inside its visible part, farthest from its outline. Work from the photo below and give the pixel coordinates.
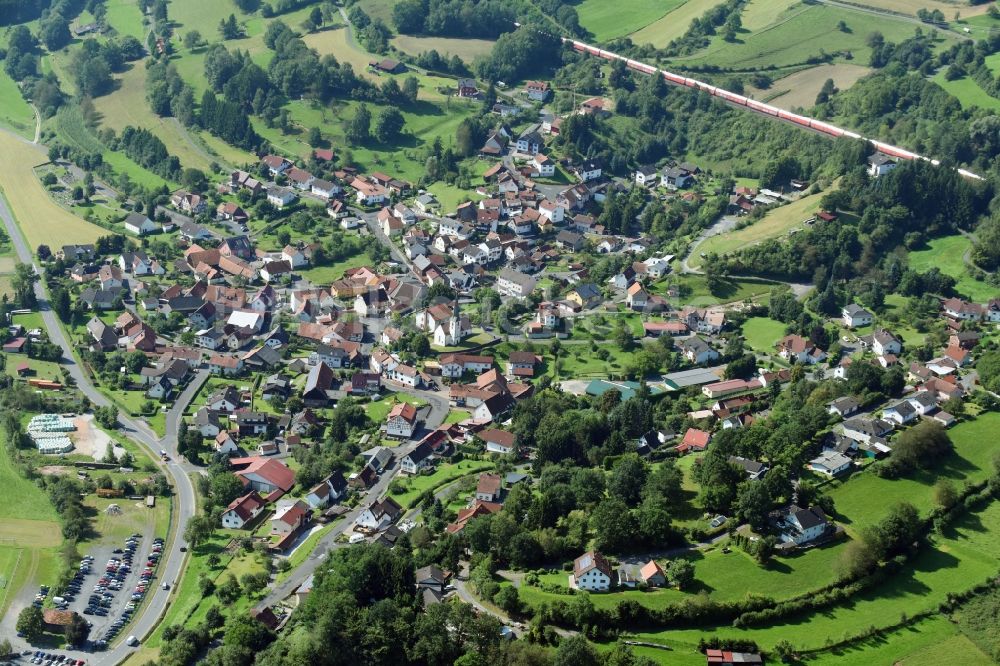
(439, 410)
(172, 564)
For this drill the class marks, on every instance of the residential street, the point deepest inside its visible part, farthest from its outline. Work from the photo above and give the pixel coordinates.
(173, 560)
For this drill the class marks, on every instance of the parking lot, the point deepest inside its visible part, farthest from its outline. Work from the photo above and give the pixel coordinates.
(110, 585)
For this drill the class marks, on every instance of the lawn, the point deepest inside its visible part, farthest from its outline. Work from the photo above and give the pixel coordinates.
(40, 369)
(15, 113)
(931, 642)
(444, 473)
(967, 92)
(449, 196)
(466, 49)
(609, 20)
(948, 254)
(776, 222)
(40, 219)
(762, 332)
(324, 275)
(457, 416)
(338, 42)
(134, 518)
(719, 576)
(864, 499)
(125, 17)
(578, 361)
(731, 291)
(378, 410)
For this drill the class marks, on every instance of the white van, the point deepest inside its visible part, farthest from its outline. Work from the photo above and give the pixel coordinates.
(132, 641)
(58, 601)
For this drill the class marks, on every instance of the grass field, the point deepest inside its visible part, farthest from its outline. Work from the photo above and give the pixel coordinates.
(608, 20)
(337, 42)
(758, 14)
(444, 473)
(673, 24)
(379, 409)
(762, 332)
(15, 113)
(466, 49)
(864, 499)
(947, 253)
(719, 576)
(968, 554)
(128, 106)
(776, 222)
(800, 89)
(732, 291)
(931, 642)
(800, 33)
(42, 369)
(911, 6)
(967, 92)
(126, 17)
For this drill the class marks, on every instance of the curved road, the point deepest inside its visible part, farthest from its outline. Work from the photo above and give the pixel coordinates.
(172, 564)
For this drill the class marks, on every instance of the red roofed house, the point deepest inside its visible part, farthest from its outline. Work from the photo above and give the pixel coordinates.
(289, 517)
(694, 440)
(498, 441)
(489, 488)
(402, 420)
(265, 475)
(652, 574)
(477, 510)
(727, 658)
(242, 510)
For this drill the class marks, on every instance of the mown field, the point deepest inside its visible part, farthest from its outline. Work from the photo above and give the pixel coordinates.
(659, 33)
(799, 90)
(762, 332)
(799, 33)
(15, 113)
(39, 217)
(466, 49)
(948, 255)
(967, 92)
(608, 20)
(776, 222)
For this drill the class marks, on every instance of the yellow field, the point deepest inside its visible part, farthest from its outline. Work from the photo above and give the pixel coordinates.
(673, 25)
(30, 533)
(466, 49)
(800, 89)
(775, 223)
(39, 217)
(335, 42)
(127, 106)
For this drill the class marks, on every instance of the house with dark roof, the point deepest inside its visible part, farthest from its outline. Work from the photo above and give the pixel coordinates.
(592, 573)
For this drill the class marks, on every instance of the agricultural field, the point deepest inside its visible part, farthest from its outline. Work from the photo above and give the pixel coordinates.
(948, 254)
(800, 33)
(609, 20)
(126, 17)
(799, 90)
(39, 217)
(949, 9)
(339, 43)
(674, 24)
(466, 49)
(776, 222)
(127, 106)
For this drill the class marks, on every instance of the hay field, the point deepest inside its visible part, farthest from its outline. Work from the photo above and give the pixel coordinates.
(128, 106)
(609, 20)
(39, 217)
(337, 43)
(466, 49)
(775, 223)
(800, 89)
(673, 24)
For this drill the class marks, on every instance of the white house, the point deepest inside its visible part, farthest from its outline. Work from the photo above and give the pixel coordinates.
(855, 316)
(379, 515)
(401, 421)
(880, 164)
(416, 460)
(324, 188)
(513, 283)
(139, 224)
(901, 413)
(242, 510)
(646, 176)
(830, 463)
(279, 197)
(588, 171)
(592, 572)
(800, 526)
(543, 166)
